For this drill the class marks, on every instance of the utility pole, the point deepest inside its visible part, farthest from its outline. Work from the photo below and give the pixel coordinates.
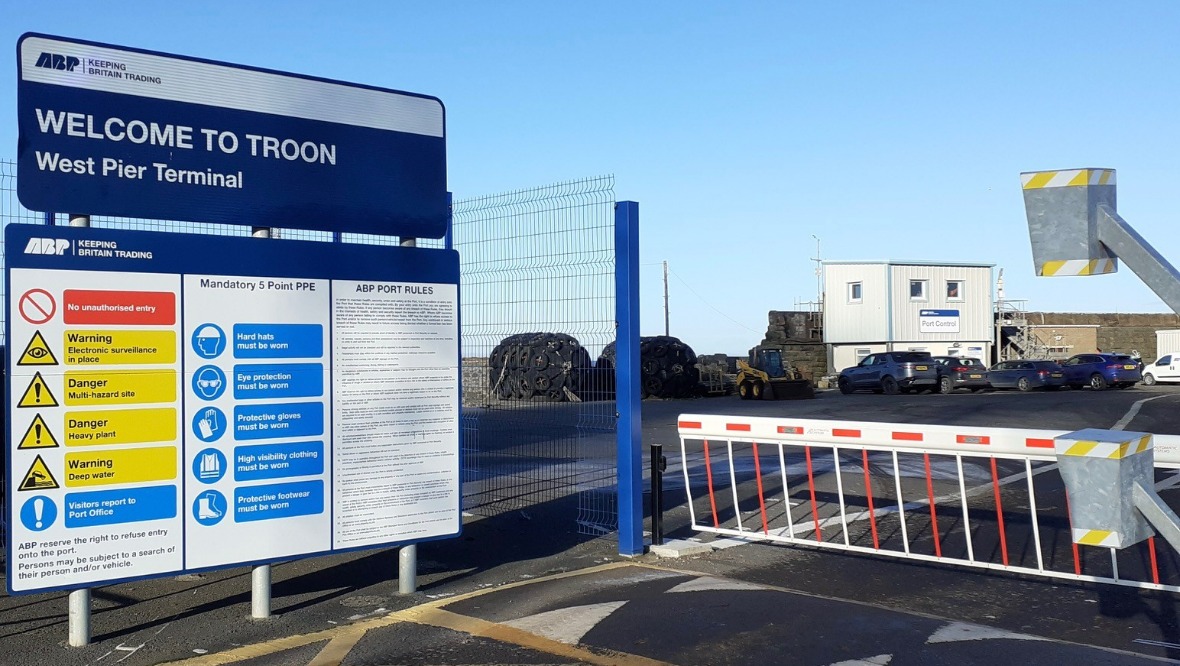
(819, 277)
(666, 333)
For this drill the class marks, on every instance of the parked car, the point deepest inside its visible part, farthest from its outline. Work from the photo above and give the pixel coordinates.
(1165, 369)
(955, 372)
(891, 372)
(1026, 375)
(1099, 371)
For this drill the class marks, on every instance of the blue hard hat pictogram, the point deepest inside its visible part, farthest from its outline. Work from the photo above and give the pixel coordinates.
(208, 341)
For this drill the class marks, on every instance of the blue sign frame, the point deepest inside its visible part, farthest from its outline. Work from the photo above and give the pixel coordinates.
(166, 253)
(117, 131)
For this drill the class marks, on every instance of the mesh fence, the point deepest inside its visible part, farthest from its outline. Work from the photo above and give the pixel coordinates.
(538, 261)
(534, 260)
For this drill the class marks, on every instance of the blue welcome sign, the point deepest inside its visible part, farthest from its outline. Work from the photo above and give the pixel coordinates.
(109, 130)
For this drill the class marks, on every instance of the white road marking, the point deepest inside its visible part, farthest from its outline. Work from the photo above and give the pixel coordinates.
(1132, 412)
(1163, 644)
(879, 660)
(566, 625)
(1169, 482)
(961, 631)
(132, 649)
(705, 583)
(722, 544)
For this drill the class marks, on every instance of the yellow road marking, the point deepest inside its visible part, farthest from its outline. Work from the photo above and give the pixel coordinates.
(299, 640)
(338, 648)
(437, 617)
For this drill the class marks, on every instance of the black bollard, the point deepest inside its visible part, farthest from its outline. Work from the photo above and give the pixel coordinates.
(658, 464)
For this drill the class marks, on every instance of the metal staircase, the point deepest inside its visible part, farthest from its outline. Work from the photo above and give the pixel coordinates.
(1016, 337)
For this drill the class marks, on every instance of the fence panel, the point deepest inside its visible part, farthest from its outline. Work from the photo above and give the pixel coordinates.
(537, 261)
(533, 260)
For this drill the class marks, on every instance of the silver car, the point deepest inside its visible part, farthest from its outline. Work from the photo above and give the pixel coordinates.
(891, 372)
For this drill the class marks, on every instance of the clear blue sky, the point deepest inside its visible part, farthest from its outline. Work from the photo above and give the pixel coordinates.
(888, 130)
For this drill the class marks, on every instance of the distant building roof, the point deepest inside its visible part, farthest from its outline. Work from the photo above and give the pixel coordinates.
(953, 264)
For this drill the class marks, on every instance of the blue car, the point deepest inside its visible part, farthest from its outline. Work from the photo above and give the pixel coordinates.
(1026, 375)
(1099, 371)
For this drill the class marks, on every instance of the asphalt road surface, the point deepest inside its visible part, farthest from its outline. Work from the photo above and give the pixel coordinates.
(524, 587)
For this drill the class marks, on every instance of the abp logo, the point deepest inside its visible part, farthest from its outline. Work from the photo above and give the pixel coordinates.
(56, 246)
(57, 61)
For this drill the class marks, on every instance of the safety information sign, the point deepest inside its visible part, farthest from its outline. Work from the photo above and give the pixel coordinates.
(173, 408)
(124, 132)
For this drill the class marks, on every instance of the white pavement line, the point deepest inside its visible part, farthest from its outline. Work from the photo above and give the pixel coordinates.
(961, 631)
(566, 625)
(132, 649)
(705, 583)
(1132, 412)
(909, 506)
(879, 660)
(1163, 644)
(1170, 482)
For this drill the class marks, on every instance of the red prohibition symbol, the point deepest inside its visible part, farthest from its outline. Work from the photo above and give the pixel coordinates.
(37, 306)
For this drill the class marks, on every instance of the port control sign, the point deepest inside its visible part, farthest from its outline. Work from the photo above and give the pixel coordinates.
(107, 130)
(174, 408)
(938, 321)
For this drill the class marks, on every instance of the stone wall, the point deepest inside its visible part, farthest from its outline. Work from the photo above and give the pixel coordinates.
(1117, 332)
(1064, 341)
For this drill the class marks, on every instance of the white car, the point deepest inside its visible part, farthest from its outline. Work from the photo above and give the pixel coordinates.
(1163, 370)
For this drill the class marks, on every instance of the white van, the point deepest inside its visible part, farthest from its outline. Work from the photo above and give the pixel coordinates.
(1165, 369)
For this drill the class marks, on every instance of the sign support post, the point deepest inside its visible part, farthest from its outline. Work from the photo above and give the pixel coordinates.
(260, 575)
(407, 556)
(79, 599)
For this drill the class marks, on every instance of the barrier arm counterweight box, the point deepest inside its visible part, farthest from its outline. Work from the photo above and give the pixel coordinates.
(1110, 478)
(1075, 229)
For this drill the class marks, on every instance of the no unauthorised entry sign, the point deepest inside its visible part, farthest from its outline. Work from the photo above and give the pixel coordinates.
(37, 306)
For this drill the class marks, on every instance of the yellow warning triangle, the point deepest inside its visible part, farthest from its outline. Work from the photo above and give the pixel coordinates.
(38, 477)
(37, 352)
(37, 395)
(38, 436)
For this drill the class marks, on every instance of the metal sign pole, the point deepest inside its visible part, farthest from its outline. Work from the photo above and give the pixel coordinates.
(407, 556)
(260, 575)
(79, 599)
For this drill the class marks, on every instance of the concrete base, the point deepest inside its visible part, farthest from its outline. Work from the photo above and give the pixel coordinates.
(681, 548)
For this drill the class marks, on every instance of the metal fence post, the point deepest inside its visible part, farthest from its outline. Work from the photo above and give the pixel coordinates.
(260, 575)
(407, 556)
(629, 429)
(79, 622)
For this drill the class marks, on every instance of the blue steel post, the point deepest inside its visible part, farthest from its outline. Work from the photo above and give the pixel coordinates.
(628, 433)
